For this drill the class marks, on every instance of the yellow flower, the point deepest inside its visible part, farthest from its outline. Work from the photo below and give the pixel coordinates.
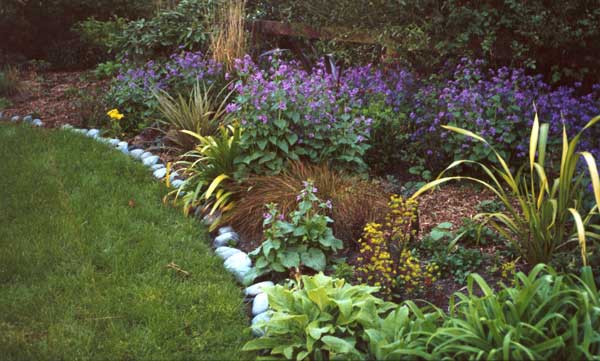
(114, 114)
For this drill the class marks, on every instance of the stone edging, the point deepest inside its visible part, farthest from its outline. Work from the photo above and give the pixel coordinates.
(235, 261)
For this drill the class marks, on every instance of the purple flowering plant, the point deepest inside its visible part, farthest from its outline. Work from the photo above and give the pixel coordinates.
(132, 90)
(290, 114)
(499, 105)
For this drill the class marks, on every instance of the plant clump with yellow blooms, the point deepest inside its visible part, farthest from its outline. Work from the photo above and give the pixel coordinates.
(377, 262)
(415, 276)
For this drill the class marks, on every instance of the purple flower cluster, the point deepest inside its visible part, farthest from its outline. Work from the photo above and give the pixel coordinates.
(299, 113)
(500, 105)
(133, 88)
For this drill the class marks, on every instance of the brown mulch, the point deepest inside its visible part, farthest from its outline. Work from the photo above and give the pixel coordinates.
(451, 203)
(47, 96)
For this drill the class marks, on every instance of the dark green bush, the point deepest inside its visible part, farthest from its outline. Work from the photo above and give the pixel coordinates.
(42, 29)
(186, 26)
(560, 39)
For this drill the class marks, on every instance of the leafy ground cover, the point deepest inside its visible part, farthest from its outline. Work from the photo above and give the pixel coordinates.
(85, 247)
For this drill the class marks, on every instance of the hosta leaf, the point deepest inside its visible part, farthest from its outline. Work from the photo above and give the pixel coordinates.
(339, 345)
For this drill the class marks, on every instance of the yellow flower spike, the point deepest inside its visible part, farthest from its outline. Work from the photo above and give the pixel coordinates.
(168, 175)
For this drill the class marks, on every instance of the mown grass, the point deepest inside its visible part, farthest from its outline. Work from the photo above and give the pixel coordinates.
(84, 241)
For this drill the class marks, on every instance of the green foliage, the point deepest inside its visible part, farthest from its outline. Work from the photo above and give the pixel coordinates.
(5, 103)
(201, 113)
(389, 138)
(320, 318)
(442, 248)
(545, 315)
(209, 169)
(107, 70)
(557, 38)
(90, 266)
(304, 240)
(343, 270)
(185, 25)
(43, 29)
(541, 222)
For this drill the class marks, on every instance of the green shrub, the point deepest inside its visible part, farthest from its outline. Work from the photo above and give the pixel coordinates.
(183, 26)
(320, 318)
(545, 316)
(441, 247)
(540, 223)
(558, 38)
(301, 241)
(5, 103)
(43, 29)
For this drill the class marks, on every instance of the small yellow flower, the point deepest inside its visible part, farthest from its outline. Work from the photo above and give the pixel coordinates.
(114, 114)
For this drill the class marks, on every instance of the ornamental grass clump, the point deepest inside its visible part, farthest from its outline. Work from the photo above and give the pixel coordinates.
(210, 172)
(201, 112)
(541, 214)
(356, 201)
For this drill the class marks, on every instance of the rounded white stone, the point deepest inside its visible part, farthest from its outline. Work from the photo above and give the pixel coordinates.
(260, 304)
(257, 288)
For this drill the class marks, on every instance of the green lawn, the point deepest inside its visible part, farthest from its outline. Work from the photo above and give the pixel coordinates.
(82, 272)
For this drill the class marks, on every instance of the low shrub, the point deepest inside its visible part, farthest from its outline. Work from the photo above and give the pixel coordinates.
(545, 315)
(318, 318)
(132, 90)
(541, 221)
(355, 201)
(302, 238)
(444, 249)
(381, 245)
(184, 26)
(293, 114)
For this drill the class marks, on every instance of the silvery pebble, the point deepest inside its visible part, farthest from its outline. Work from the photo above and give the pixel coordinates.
(93, 133)
(114, 142)
(226, 229)
(149, 161)
(28, 119)
(257, 288)
(177, 183)
(160, 173)
(226, 239)
(260, 304)
(136, 153)
(145, 155)
(15, 119)
(37, 122)
(258, 331)
(123, 147)
(157, 166)
(225, 252)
